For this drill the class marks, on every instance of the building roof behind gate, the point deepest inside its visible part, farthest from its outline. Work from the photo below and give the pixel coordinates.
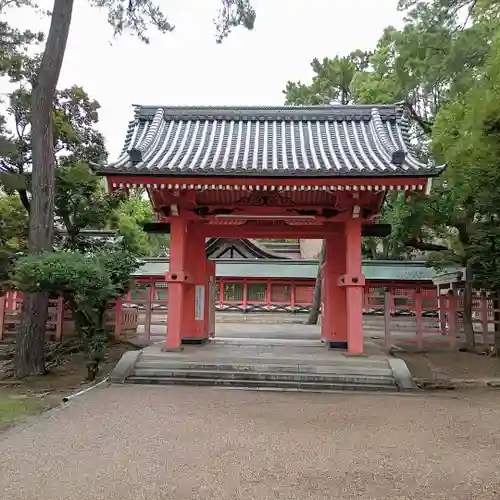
(303, 141)
(375, 270)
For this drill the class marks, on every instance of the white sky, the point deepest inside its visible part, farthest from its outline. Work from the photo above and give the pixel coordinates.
(187, 67)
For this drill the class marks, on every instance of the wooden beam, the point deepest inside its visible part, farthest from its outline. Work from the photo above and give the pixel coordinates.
(229, 231)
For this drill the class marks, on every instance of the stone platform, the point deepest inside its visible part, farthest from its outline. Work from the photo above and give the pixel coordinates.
(299, 362)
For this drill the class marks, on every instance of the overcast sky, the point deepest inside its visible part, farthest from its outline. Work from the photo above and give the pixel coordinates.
(187, 67)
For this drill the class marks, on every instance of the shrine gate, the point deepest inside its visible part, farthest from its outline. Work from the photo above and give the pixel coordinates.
(268, 172)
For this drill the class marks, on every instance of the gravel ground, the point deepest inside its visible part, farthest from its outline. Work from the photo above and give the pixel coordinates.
(133, 443)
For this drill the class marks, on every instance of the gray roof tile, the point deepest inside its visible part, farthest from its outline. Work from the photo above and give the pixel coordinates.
(360, 141)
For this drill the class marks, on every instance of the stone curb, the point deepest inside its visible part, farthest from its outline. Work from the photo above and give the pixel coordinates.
(459, 383)
(402, 374)
(124, 367)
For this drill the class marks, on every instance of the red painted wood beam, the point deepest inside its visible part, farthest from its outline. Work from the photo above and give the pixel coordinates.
(268, 231)
(317, 181)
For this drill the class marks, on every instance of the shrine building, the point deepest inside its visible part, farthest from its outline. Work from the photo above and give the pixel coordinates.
(308, 172)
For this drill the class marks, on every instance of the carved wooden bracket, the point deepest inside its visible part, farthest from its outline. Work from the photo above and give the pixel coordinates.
(267, 199)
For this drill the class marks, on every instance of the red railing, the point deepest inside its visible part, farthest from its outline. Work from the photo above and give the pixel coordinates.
(10, 316)
(59, 320)
(404, 314)
(423, 318)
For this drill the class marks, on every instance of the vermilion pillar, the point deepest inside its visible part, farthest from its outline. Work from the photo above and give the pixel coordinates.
(334, 318)
(353, 282)
(195, 324)
(178, 280)
(210, 297)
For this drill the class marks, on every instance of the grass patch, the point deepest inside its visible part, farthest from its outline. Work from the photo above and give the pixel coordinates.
(15, 409)
(20, 400)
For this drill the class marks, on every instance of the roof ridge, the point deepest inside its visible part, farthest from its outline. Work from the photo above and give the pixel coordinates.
(348, 112)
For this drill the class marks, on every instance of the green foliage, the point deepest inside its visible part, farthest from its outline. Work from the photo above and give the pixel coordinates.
(128, 218)
(331, 81)
(81, 202)
(13, 233)
(63, 273)
(15, 59)
(138, 16)
(87, 282)
(75, 138)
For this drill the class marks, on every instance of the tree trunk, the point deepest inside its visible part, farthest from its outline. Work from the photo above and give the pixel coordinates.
(31, 338)
(470, 341)
(316, 303)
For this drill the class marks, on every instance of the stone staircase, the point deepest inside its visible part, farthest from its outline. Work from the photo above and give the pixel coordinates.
(245, 363)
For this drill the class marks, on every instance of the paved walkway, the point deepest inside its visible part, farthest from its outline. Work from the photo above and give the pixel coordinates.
(257, 331)
(133, 443)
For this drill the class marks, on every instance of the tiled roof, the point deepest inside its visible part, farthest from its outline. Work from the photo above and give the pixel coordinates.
(350, 141)
(375, 270)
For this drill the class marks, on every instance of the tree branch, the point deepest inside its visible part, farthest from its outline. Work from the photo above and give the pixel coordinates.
(425, 125)
(425, 247)
(23, 196)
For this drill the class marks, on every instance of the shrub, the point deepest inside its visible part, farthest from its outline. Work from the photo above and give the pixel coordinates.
(88, 283)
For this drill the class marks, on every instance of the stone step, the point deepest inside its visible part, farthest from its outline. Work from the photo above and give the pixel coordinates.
(264, 384)
(299, 378)
(269, 342)
(257, 359)
(382, 369)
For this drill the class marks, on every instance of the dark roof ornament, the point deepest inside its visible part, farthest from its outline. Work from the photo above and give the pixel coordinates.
(398, 157)
(135, 156)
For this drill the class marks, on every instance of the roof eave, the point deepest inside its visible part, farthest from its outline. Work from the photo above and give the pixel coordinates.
(105, 172)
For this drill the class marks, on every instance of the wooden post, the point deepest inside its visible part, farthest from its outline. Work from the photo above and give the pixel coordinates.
(354, 282)
(442, 311)
(149, 310)
(59, 318)
(245, 295)
(387, 319)
(452, 319)
(118, 317)
(366, 299)
(484, 317)
(178, 318)
(221, 291)
(292, 296)
(3, 301)
(418, 314)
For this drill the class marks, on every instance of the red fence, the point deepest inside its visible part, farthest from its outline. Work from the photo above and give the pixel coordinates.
(403, 314)
(267, 295)
(60, 320)
(10, 316)
(422, 317)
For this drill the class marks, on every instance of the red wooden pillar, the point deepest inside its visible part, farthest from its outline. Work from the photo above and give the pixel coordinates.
(178, 280)
(418, 315)
(245, 295)
(211, 299)
(353, 281)
(333, 322)
(452, 307)
(3, 303)
(118, 317)
(484, 318)
(221, 291)
(195, 324)
(59, 318)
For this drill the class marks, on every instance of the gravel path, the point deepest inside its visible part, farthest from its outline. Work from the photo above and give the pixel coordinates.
(133, 443)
